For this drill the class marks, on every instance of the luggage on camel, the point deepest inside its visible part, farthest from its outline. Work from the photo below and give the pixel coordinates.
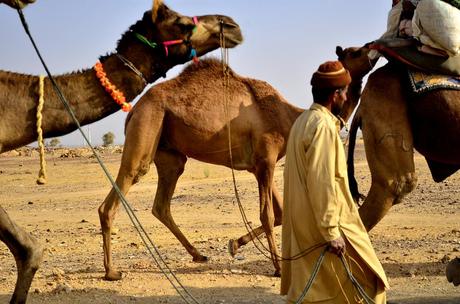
(437, 24)
(434, 23)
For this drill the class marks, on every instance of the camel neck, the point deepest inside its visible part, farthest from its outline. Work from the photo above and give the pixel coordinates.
(87, 98)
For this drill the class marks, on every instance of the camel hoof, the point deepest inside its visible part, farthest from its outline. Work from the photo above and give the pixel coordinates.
(453, 271)
(200, 259)
(113, 275)
(277, 274)
(232, 247)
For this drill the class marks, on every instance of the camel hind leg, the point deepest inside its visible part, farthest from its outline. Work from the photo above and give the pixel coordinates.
(143, 132)
(264, 174)
(234, 245)
(27, 252)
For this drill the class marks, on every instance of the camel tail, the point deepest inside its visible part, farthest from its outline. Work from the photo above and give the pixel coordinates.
(355, 124)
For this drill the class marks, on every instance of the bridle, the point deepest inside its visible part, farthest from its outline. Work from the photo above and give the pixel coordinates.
(166, 44)
(117, 95)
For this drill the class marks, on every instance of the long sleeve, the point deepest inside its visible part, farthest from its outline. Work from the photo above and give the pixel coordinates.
(321, 157)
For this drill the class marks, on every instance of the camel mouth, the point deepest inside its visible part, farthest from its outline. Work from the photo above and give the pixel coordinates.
(231, 42)
(232, 34)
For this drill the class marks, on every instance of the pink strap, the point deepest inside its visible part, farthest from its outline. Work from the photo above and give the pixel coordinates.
(171, 42)
(195, 20)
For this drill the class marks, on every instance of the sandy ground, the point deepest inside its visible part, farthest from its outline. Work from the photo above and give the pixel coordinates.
(414, 241)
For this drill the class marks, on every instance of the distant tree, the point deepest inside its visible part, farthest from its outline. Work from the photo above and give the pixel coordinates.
(54, 142)
(108, 139)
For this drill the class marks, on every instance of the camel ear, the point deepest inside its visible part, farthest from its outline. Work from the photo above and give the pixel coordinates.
(339, 52)
(156, 5)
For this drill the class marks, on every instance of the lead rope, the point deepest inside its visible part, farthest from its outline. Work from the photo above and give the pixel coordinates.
(41, 180)
(260, 246)
(364, 297)
(152, 249)
(226, 87)
(312, 276)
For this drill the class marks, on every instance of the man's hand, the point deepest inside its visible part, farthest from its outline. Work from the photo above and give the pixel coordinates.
(337, 246)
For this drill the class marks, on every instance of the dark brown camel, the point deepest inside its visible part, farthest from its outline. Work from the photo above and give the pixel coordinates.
(185, 117)
(90, 102)
(394, 122)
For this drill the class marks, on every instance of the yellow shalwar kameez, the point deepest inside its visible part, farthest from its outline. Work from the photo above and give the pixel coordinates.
(318, 208)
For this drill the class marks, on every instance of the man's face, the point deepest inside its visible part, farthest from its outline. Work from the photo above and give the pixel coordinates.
(340, 96)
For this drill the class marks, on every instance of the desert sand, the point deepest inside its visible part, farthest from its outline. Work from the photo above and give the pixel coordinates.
(414, 241)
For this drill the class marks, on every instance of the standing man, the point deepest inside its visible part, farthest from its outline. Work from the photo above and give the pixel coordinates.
(318, 206)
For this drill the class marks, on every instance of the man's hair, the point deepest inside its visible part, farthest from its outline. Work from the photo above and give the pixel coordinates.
(321, 95)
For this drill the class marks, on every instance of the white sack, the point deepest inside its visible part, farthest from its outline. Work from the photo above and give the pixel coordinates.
(437, 24)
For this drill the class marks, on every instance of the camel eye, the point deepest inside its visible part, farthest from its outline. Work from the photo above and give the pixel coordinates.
(185, 28)
(185, 25)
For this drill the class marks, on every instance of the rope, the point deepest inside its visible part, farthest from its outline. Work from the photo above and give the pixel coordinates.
(359, 288)
(367, 299)
(312, 276)
(260, 246)
(130, 65)
(41, 180)
(152, 249)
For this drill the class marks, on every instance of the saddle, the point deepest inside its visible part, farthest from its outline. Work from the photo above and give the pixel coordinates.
(426, 72)
(406, 51)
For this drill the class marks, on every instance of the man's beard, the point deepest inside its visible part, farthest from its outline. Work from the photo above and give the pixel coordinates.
(336, 109)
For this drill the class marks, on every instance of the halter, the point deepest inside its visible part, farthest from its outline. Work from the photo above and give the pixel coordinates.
(166, 44)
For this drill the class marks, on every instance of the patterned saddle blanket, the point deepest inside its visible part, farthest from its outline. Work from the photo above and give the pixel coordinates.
(422, 82)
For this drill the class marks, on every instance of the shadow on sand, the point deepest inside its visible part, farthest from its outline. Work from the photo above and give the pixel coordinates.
(203, 295)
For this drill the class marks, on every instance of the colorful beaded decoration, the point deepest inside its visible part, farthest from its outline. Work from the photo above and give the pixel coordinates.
(117, 95)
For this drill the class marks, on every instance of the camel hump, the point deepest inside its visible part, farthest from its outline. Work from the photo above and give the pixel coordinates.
(261, 90)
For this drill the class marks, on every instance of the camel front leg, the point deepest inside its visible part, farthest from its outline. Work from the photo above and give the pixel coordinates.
(170, 166)
(391, 162)
(131, 170)
(107, 212)
(389, 144)
(139, 148)
(27, 252)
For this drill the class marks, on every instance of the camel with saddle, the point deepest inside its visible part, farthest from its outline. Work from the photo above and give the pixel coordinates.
(400, 112)
(142, 55)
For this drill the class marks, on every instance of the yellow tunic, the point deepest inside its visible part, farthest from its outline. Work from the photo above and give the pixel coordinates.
(318, 208)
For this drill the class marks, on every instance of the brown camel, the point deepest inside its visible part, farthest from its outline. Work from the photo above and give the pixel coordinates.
(16, 3)
(90, 101)
(185, 117)
(394, 122)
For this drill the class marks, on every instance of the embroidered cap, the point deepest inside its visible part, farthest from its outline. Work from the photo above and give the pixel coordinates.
(331, 74)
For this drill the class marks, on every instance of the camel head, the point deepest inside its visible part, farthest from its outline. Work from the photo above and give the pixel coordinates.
(178, 38)
(200, 32)
(15, 3)
(356, 60)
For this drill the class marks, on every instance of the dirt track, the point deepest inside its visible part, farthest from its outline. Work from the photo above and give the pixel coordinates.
(413, 242)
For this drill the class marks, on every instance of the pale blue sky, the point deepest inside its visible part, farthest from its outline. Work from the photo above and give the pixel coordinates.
(285, 41)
